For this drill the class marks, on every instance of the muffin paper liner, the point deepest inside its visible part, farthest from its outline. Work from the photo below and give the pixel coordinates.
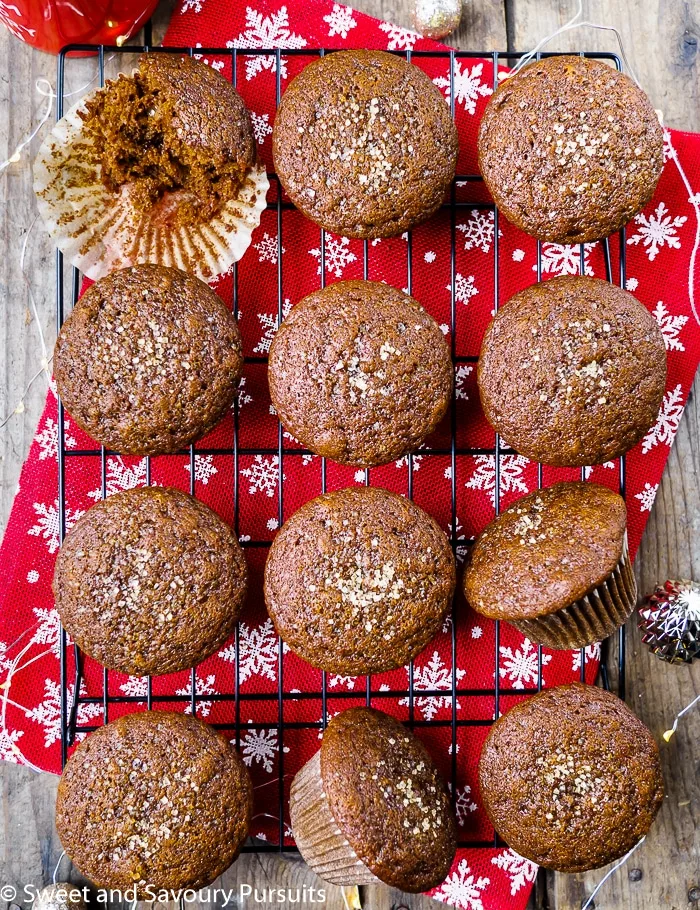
(317, 835)
(99, 231)
(593, 617)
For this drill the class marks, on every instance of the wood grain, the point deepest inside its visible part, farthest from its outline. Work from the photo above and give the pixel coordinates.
(661, 37)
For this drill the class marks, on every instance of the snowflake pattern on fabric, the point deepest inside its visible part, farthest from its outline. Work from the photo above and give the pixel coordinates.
(666, 426)
(195, 5)
(337, 255)
(261, 126)
(265, 32)
(47, 439)
(464, 288)
(8, 739)
(263, 474)
(120, 476)
(204, 468)
(519, 870)
(670, 327)
(269, 323)
(260, 747)
(464, 804)
(434, 675)
(202, 687)
(49, 630)
(267, 249)
(592, 652)
(511, 475)
(136, 687)
(217, 65)
(657, 230)
(520, 665)
(399, 39)
(48, 712)
(468, 85)
(340, 21)
(258, 649)
(347, 682)
(478, 230)
(647, 496)
(463, 371)
(462, 888)
(47, 523)
(565, 259)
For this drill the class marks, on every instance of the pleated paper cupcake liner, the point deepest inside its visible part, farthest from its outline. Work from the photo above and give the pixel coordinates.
(98, 230)
(590, 619)
(317, 834)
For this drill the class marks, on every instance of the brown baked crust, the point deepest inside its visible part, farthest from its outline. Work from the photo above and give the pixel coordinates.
(364, 144)
(155, 799)
(572, 371)
(388, 799)
(150, 581)
(571, 778)
(148, 361)
(360, 373)
(546, 551)
(570, 149)
(359, 581)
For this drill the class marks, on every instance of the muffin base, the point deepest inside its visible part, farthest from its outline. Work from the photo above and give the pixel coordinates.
(590, 619)
(317, 835)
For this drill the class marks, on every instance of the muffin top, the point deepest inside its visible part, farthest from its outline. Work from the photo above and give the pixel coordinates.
(148, 361)
(360, 373)
(150, 581)
(364, 144)
(570, 778)
(546, 551)
(359, 581)
(570, 149)
(572, 371)
(155, 799)
(387, 798)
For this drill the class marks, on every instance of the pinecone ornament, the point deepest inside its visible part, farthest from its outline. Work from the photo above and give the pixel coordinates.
(670, 621)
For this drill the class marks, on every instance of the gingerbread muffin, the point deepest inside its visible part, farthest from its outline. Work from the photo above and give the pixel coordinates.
(570, 778)
(364, 144)
(150, 581)
(570, 149)
(154, 799)
(555, 565)
(158, 166)
(572, 371)
(360, 373)
(359, 581)
(370, 806)
(148, 361)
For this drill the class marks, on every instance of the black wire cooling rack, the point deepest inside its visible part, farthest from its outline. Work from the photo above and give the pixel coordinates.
(70, 725)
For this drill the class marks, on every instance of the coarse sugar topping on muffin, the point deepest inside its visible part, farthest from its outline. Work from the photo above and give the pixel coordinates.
(546, 551)
(359, 580)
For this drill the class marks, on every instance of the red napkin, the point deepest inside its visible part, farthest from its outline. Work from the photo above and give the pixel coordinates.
(661, 248)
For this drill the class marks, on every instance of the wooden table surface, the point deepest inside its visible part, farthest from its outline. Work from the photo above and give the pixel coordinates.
(661, 38)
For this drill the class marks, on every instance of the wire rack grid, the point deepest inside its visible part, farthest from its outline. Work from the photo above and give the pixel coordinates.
(69, 707)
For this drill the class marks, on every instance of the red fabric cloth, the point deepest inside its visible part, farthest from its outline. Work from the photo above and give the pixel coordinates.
(661, 271)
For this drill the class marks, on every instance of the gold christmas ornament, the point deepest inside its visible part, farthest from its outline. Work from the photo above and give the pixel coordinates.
(437, 18)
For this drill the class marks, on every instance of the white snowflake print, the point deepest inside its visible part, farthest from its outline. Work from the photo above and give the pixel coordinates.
(259, 747)
(631, 284)
(272, 524)
(346, 681)
(518, 255)
(120, 476)
(340, 21)
(519, 870)
(32, 576)
(478, 230)
(467, 84)
(656, 231)
(666, 426)
(258, 650)
(217, 65)
(588, 469)
(565, 259)
(242, 396)
(520, 665)
(267, 249)
(477, 632)
(434, 675)
(415, 460)
(670, 327)
(462, 888)
(47, 525)
(136, 687)
(464, 288)
(592, 653)
(195, 5)
(48, 712)
(464, 804)
(647, 496)
(511, 475)
(338, 256)
(202, 687)
(204, 468)
(49, 630)
(263, 475)
(429, 256)
(15, 28)
(8, 749)
(47, 438)
(265, 32)
(269, 323)
(399, 39)
(463, 371)
(261, 126)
